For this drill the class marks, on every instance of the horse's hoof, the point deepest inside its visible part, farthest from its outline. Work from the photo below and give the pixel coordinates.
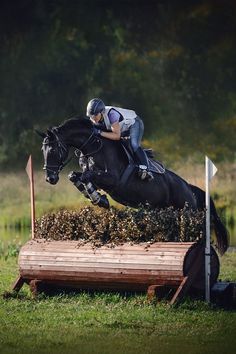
(104, 202)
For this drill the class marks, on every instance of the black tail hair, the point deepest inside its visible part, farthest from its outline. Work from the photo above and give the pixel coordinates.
(222, 235)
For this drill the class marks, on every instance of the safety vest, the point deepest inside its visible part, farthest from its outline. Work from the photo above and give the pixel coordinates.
(127, 117)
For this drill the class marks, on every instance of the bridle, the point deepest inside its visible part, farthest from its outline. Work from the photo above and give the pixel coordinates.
(63, 149)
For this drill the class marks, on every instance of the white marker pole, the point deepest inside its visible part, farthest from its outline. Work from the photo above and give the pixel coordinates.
(30, 173)
(210, 170)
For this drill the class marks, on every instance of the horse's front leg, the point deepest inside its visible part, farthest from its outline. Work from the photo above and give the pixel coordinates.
(84, 184)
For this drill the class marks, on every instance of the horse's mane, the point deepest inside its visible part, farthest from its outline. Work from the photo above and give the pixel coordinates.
(74, 123)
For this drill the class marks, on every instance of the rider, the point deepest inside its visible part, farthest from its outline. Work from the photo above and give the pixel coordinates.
(119, 121)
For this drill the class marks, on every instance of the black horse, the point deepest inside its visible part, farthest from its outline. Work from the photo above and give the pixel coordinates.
(109, 165)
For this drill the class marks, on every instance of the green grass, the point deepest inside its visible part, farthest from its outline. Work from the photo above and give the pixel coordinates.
(111, 323)
(228, 267)
(104, 323)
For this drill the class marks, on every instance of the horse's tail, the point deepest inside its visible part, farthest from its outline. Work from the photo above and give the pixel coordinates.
(222, 235)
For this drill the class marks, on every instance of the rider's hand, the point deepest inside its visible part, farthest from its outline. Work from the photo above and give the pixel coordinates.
(96, 131)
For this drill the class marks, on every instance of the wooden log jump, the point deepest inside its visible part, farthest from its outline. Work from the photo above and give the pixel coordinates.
(139, 267)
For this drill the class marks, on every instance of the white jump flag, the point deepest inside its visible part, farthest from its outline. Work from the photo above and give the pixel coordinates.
(30, 173)
(210, 170)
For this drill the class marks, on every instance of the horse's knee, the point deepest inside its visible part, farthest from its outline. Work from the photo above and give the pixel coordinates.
(74, 176)
(86, 176)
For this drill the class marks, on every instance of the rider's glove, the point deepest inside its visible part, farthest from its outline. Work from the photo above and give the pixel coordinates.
(96, 131)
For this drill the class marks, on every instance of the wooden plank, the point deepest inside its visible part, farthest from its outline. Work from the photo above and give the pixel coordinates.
(79, 259)
(52, 265)
(125, 273)
(96, 266)
(65, 252)
(155, 251)
(173, 247)
(18, 283)
(141, 244)
(154, 291)
(99, 251)
(107, 250)
(90, 258)
(100, 278)
(189, 279)
(180, 291)
(117, 279)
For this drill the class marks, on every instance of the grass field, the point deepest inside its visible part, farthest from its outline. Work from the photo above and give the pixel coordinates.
(111, 323)
(105, 323)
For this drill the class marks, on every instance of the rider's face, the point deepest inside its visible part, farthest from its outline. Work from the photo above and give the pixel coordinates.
(96, 118)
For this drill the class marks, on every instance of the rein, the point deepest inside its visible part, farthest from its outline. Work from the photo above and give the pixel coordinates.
(62, 147)
(87, 141)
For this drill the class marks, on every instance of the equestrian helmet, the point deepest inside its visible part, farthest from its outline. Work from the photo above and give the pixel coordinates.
(95, 106)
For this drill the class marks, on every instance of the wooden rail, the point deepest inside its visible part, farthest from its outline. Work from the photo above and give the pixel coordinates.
(127, 267)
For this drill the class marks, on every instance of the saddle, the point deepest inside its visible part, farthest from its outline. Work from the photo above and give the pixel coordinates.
(153, 165)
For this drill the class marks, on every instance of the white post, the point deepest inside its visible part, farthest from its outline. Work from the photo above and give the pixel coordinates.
(210, 171)
(30, 173)
(208, 235)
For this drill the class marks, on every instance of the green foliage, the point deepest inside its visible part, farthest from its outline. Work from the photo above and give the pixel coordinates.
(228, 270)
(12, 249)
(174, 64)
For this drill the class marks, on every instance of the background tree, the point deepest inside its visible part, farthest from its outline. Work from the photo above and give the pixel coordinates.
(173, 62)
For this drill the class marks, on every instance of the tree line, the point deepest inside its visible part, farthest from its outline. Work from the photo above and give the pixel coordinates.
(172, 62)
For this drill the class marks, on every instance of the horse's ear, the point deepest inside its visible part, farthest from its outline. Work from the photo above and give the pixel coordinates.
(50, 133)
(43, 135)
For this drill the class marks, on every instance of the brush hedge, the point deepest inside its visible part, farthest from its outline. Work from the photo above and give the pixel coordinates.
(117, 226)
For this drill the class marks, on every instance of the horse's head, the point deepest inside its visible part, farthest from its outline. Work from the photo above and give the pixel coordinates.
(55, 153)
(75, 132)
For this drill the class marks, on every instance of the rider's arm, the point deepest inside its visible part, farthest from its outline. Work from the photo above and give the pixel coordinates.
(114, 118)
(114, 134)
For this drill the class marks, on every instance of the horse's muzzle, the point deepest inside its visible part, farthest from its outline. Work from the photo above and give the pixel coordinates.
(52, 179)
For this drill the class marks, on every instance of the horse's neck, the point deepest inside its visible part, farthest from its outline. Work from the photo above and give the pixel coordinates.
(71, 139)
(107, 156)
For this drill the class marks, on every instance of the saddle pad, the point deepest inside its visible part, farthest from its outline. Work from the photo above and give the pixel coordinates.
(155, 166)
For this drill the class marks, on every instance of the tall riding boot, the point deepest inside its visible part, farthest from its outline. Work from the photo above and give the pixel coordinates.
(143, 165)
